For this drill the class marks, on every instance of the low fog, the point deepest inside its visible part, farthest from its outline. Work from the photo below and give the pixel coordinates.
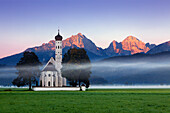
(108, 72)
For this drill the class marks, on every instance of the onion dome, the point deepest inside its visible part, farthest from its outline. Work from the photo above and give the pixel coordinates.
(58, 37)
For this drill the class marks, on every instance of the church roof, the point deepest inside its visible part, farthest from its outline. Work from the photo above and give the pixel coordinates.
(50, 66)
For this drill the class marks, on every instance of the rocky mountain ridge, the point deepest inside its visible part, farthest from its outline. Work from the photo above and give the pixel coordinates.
(130, 45)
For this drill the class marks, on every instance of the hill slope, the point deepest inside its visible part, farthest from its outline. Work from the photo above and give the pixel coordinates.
(160, 48)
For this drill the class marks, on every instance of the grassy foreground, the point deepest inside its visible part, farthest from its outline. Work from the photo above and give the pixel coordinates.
(91, 101)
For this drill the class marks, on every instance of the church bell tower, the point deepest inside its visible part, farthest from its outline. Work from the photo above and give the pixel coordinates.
(58, 50)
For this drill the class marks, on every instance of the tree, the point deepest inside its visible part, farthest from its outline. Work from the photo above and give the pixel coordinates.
(76, 67)
(28, 70)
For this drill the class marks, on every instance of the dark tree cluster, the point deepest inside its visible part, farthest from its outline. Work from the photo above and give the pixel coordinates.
(76, 67)
(28, 70)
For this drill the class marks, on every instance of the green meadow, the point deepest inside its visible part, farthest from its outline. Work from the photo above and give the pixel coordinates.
(91, 101)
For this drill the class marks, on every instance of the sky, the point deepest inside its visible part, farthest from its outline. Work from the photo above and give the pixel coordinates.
(29, 23)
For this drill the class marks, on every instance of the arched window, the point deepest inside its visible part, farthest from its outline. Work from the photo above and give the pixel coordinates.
(53, 83)
(58, 47)
(49, 83)
(49, 75)
(41, 83)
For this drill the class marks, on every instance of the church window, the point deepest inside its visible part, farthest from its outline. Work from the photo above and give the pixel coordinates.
(58, 47)
(49, 75)
(49, 83)
(41, 83)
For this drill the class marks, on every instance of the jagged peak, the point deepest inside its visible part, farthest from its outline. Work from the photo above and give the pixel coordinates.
(51, 42)
(130, 38)
(78, 34)
(114, 41)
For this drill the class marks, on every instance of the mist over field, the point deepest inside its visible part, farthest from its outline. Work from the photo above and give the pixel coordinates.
(113, 72)
(7, 74)
(133, 73)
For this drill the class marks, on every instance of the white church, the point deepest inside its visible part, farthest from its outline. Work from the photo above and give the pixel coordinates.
(51, 77)
(51, 74)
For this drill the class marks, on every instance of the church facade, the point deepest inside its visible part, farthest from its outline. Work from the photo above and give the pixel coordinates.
(51, 75)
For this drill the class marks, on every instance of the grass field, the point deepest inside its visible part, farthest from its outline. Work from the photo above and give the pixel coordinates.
(91, 101)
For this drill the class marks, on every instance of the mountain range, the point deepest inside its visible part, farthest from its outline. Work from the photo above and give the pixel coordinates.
(129, 46)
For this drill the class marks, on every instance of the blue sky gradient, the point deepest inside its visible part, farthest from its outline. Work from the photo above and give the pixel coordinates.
(28, 23)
